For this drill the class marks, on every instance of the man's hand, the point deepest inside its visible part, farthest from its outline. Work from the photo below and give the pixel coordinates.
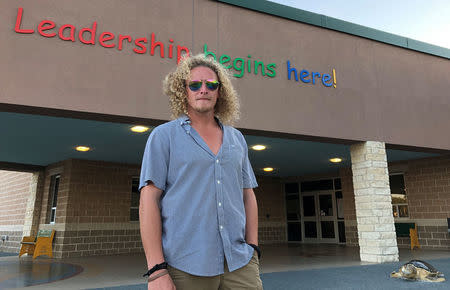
(162, 283)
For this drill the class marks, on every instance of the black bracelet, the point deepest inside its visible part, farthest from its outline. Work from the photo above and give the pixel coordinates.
(155, 268)
(257, 249)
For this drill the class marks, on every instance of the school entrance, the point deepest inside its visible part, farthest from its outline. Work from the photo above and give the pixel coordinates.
(314, 211)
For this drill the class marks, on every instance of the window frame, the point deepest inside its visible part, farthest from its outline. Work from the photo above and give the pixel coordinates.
(53, 197)
(396, 205)
(134, 178)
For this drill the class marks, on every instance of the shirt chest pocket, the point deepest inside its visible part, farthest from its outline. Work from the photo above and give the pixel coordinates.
(233, 155)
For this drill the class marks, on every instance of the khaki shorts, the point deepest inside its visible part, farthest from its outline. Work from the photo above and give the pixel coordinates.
(246, 277)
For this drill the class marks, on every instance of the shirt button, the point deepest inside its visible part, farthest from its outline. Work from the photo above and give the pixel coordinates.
(221, 227)
(218, 181)
(217, 161)
(220, 204)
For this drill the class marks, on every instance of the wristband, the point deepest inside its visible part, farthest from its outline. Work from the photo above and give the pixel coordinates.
(257, 249)
(156, 276)
(155, 268)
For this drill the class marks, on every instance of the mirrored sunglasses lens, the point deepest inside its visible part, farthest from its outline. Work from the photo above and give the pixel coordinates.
(195, 86)
(212, 85)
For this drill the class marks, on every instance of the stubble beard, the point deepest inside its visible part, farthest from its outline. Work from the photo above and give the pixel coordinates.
(202, 109)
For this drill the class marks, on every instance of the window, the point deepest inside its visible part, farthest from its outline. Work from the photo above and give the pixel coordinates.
(135, 196)
(398, 195)
(53, 197)
(326, 184)
(294, 226)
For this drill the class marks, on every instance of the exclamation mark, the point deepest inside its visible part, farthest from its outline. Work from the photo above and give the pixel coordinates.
(334, 78)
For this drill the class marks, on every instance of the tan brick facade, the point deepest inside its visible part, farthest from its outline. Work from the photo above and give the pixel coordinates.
(93, 210)
(63, 169)
(271, 211)
(14, 191)
(427, 184)
(375, 221)
(34, 204)
(428, 187)
(351, 231)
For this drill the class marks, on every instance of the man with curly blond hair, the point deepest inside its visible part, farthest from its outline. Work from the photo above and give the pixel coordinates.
(198, 212)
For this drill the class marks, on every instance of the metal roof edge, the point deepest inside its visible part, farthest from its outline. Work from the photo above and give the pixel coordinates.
(339, 25)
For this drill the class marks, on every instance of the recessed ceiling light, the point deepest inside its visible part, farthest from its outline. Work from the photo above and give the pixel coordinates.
(82, 148)
(336, 160)
(268, 169)
(258, 147)
(139, 129)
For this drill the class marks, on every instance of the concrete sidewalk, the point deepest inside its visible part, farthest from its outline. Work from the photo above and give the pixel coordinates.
(122, 270)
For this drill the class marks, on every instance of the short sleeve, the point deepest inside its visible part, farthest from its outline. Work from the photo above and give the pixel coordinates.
(248, 176)
(155, 160)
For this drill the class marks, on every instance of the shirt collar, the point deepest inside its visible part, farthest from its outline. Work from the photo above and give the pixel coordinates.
(186, 122)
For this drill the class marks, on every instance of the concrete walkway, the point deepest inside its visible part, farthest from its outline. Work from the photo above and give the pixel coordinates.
(121, 270)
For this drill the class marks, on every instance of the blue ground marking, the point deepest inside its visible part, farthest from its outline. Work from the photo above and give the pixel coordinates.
(355, 277)
(23, 273)
(5, 254)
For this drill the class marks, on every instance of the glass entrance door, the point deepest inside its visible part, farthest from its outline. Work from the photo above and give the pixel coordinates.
(319, 217)
(327, 217)
(310, 220)
(294, 228)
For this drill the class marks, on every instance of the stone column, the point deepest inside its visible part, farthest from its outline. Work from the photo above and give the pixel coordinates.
(375, 221)
(34, 204)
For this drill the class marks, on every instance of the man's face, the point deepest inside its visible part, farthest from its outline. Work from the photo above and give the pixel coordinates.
(203, 100)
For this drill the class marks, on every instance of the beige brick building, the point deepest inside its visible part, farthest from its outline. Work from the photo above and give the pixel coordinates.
(14, 192)
(94, 201)
(347, 92)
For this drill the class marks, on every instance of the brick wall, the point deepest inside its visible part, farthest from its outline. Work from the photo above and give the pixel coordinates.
(14, 191)
(376, 231)
(94, 208)
(351, 230)
(99, 209)
(427, 183)
(428, 190)
(94, 202)
(271, 212)
(34, 204)
(100, 192)
(63, 169)
(93, 211)
(106, 241)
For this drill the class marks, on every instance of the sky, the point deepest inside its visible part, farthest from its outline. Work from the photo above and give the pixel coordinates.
(424, 20)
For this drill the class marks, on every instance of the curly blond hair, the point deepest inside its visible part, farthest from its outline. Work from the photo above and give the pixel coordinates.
(174, 86)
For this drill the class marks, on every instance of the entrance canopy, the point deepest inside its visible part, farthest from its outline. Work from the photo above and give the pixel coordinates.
(38, 140)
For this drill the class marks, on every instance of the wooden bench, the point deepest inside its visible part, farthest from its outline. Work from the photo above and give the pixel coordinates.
(408, 230)
(41, 245)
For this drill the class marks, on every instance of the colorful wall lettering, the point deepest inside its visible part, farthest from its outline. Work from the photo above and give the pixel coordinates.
(143, 45)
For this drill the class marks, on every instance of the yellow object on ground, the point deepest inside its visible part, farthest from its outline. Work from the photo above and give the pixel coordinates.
(414, 238)
(41, 245)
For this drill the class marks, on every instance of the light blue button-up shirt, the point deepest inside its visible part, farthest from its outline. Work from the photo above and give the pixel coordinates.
(202, 208)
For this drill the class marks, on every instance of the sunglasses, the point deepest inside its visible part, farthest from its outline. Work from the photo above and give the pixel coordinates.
(211, 85)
